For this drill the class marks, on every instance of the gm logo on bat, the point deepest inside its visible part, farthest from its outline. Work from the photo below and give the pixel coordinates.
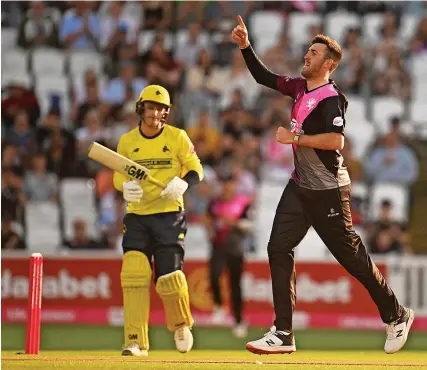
(136, 173)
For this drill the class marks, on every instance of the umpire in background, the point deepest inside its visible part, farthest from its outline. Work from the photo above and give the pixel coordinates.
(228, 223)
(318, 193)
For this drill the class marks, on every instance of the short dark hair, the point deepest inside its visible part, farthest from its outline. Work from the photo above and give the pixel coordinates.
(334, 50)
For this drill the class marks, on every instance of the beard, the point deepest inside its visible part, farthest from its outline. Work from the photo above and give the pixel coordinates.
(310, 71)
(152, 123)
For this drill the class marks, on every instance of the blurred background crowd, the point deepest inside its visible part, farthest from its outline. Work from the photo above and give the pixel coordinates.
(72, 71)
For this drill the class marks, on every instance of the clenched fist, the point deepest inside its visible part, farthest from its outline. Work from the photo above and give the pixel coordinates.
(284, 136)
(240, 34)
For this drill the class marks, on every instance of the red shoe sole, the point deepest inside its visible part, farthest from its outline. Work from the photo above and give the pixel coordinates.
(258, 351)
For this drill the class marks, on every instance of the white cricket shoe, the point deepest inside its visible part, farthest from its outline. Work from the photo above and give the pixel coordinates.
(273, 342)
(183, 339)
(218, 316)
(397, 332)
(240, 330)
(133, 349)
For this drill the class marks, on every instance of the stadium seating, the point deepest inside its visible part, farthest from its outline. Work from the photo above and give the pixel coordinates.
(299, 24)
(15, 61)
(48, 62)
(337, 24)
(384, 108)
(78, 202)
(42, 226)
(9, 38)
(397, 194)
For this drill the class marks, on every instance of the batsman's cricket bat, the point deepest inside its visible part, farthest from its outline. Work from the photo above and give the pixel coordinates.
(121, 164)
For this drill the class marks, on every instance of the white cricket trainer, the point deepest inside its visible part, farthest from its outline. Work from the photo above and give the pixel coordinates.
(133, 349)
(240, 330)
(397, 332)
(273, 342)
(218, 316)
(183, 339)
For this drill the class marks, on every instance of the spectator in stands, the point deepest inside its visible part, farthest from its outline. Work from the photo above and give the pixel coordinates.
(19, 97)
(162, 68)
(21, 134)
(354, 165)
(384, 243)
(277, 158)
(204, 130)
(12, 196)
(39, 184)
(220, 15)
(39, 28)
(10, 159)
(187, 51)
(351, 76)
(80, 238)
(115, 93)
(60, 161)
(203, 83)
(189, 12)
(157, 14)
(10, 238)
(280, 56)
(80, 29)
(119, 33)
(392, 162)
(90, 132)
(81, 90)
(419, 41)
(239, 78)
(92, 101)
(223, 47)
(386, 234)
(51, 126)
(128, 121)
(274, 114)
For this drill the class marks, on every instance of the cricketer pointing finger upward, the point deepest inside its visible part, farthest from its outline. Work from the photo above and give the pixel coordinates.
(154, 224)
(318, 194)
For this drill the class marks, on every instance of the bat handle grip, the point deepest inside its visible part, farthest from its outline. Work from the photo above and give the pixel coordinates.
(156, 182)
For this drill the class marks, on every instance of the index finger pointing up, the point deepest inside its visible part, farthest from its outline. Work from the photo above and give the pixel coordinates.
(240, 20)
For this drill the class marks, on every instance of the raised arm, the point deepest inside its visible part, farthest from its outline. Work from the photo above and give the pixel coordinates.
(259, 71)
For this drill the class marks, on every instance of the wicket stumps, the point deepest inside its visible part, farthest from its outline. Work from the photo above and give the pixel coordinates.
(32, 343)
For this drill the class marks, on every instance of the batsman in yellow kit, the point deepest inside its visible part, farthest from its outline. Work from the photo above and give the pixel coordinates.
(154, 224)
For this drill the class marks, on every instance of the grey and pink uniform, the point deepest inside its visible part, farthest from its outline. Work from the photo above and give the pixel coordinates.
(318, 195)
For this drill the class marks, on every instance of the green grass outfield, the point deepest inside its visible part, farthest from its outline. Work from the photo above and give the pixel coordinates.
(84, 337)
(211, 359)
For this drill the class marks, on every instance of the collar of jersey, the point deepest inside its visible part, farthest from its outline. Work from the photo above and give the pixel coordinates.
(332, 82)
(149, 137)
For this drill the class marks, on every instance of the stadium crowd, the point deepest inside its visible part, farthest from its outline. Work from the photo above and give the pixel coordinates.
(54, 104)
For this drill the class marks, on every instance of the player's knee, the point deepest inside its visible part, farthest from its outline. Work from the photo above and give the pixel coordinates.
(168, 259)
(136, 270)
(172, 285)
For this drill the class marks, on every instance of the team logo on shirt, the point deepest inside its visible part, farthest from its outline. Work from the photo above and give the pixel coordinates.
(310, 104)
(338, 121)
(293, 125)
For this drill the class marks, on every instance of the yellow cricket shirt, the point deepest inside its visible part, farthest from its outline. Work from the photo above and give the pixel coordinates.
(168, 154)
